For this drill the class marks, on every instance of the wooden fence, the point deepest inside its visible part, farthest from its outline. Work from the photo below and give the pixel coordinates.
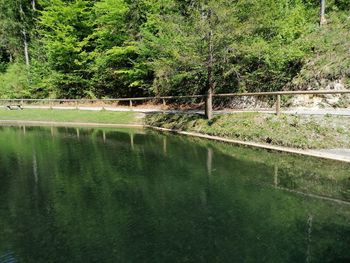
(164, 99)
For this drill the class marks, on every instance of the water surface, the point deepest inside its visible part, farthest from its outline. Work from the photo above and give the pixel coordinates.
(98, 195)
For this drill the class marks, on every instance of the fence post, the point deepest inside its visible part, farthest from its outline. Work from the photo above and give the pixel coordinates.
(278, 105)
(164, 102)
(130, 104)
(209, 106)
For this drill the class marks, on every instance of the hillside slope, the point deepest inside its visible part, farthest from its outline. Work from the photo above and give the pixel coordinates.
(327, 65)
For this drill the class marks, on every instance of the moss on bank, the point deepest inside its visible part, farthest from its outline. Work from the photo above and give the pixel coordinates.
(287, 130)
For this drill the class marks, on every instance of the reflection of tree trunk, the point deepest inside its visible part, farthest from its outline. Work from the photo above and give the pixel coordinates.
(323, 12)
(24, 130)
(211, 242)
(209, 167)
(165, 146)
(275, 178)
(35, 168)
(209, 162)
(36, 180)
(104, 136)
(78, 133)
(309, 232)
(132, 141)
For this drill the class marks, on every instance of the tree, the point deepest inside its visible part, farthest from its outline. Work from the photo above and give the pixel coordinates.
(16, 21)
(122, 48)
(208, 46)
(64, 27)
(322, 12)
(16, 26)
(22, 16)
(192, 47)
(115, 67)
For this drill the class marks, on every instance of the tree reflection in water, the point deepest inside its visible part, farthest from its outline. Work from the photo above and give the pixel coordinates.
(98, 195)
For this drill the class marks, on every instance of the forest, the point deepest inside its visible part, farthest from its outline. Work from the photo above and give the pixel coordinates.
(131, 48)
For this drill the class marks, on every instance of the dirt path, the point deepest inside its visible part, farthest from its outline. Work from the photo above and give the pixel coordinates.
(336, 152)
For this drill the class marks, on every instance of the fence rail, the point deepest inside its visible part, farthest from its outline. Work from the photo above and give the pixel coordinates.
(276, 94)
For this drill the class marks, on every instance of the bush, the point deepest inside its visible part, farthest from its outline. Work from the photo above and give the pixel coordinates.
(14, 82)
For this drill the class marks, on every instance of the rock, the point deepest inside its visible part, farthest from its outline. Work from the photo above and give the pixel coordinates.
(322, 101)
(248, 103)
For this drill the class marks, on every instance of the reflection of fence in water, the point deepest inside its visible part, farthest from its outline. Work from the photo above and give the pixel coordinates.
(331, 189)
(321, 189)
(282, 179)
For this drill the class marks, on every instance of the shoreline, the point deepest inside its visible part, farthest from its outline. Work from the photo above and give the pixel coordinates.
(295, 151)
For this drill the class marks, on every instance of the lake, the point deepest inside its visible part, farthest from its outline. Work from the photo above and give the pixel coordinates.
(104, 195)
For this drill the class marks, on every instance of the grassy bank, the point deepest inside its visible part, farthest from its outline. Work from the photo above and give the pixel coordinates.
(70, 116)
(312, 132)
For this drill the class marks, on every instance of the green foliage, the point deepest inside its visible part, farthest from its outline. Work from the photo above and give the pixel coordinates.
(182, 43)
(114, 61)
(271, 50)
(64, 25)
(12, 23)
(14, 83)
(255, 45)
(329, 59)
(124, 48)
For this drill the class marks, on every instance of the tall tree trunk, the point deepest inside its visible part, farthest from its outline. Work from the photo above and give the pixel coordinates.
(323, 12)
(24, 33)
(26, 52)
(210, 80)
(33, 5)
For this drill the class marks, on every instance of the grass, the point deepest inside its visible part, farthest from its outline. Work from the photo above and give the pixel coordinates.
(304, 132)
(70, 116)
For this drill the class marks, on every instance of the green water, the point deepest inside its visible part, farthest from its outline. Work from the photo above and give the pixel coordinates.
(94, 195)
